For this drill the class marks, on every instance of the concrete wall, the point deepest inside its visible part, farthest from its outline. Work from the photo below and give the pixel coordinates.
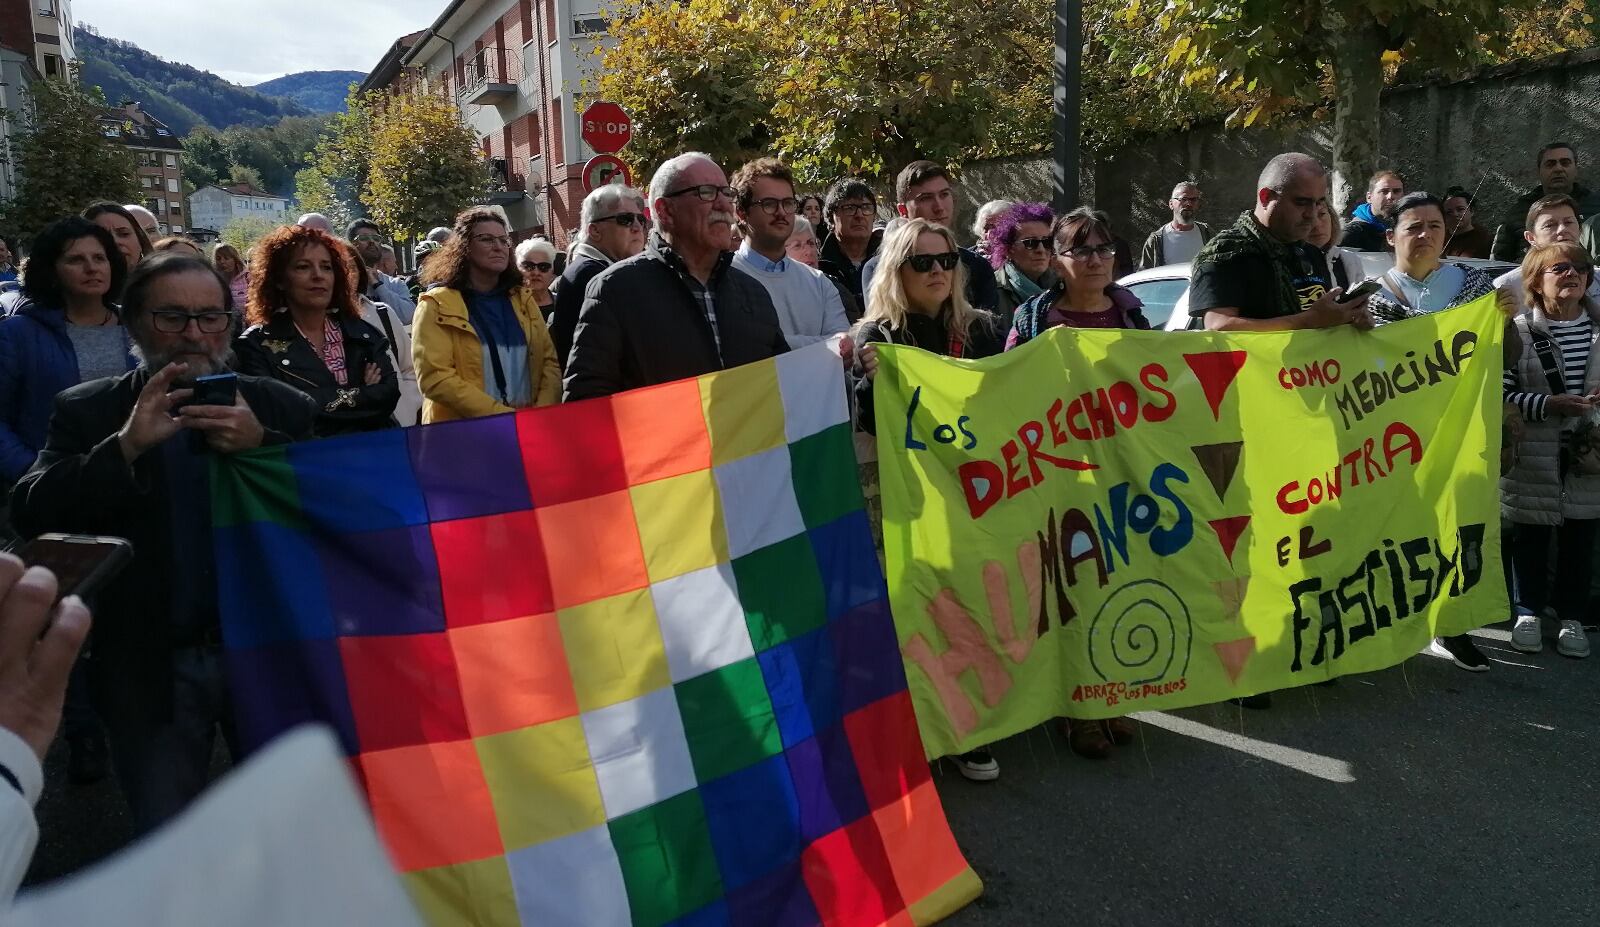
(1481, 133)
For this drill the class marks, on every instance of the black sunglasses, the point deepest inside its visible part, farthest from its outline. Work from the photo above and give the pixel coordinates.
(922, 263)
(542, 267)
(624, 219)
(1032, 243)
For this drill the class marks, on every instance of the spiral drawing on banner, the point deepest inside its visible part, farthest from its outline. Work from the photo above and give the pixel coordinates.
(1143, 629)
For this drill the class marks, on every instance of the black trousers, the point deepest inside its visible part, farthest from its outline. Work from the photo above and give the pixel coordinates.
(1574, 543)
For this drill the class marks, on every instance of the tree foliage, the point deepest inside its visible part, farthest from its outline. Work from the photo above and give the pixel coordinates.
(62, 158)
(274, 153)
(316, 194)
(245, 231)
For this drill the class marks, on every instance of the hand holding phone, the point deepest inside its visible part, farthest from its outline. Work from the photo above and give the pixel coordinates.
(83, 563)
(1360, 291)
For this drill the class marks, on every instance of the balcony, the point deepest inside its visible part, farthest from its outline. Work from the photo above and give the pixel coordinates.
(490, 76)
(502, 190)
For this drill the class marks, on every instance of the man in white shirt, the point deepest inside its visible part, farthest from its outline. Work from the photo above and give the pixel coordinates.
(807, 302)
(1551, 219)
(1180, 240)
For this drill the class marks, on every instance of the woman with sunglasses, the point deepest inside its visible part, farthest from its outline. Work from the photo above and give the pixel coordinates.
(480, 343)
(306, 331)
(1552, 493)
(1018, 248)
(1084, 296)
(536, 261)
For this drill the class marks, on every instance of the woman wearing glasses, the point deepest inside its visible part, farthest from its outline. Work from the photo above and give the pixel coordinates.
(64, 332)
(479, 341)
(536, 261)
(1084, 296)
(1018, 248)
(306, 331)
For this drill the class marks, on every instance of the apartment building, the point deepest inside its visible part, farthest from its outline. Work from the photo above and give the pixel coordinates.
(41, 30)
(211, 207)
(159, 158)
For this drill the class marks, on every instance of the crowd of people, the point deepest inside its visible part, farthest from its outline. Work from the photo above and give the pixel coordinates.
(105, 342)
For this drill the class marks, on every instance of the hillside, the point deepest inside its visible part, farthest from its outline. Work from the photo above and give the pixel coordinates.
(318, 91)
(181, 96)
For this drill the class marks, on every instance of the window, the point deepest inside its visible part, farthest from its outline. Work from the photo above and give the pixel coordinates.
(163, 132)
(177, 209)
(146, 181)
(588, 25)
(172, 160)
(47, 7)
(52, 66)
(110, 130)
(172, 185)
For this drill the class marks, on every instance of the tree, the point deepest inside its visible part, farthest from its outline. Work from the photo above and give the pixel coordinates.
(316, 194)
(245, 231)
(205, 158)
(240, 174)
(62, 158)
(1276, 57)
(425, 165)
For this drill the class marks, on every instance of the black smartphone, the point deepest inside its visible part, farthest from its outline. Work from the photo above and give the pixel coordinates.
(219, 389)
(1364, 288)
(83, 563)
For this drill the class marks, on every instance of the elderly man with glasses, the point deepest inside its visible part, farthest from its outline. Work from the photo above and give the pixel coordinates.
(613, 229)
(680, 308)
(807, 302)
(369, 242)
(128, 457)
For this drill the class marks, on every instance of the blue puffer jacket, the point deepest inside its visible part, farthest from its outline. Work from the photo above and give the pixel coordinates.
(36, 362)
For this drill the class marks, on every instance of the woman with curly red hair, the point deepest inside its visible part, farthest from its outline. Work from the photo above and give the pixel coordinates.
(306, 331)
(479, 341)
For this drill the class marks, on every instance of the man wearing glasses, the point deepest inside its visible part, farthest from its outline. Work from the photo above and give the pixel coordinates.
(614, 227)
(924, 191)
(680, 309)
(128, 457)
(851, 208)
(808, 304)
(1180, 240)
(369, 242)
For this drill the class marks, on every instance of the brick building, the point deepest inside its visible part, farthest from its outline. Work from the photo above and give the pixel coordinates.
(159, 156)
(516, 69)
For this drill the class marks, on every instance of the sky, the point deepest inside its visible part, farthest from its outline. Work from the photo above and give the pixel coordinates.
(249, 41)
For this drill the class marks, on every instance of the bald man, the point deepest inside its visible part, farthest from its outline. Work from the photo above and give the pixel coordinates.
(146, 220)
(1180, 240)
(318, 221)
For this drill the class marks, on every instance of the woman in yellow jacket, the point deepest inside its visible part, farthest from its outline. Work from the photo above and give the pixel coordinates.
(479, 342)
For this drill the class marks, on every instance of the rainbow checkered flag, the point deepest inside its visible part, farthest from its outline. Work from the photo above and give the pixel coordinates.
(625, 661)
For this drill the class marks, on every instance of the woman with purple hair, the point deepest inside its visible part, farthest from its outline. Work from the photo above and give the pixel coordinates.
(1019, 251)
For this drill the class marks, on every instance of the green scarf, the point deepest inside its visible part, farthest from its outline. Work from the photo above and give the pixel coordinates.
(1249, 237)
(1017, 282)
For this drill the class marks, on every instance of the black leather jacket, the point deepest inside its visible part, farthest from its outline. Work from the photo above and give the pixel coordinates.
(278, 351)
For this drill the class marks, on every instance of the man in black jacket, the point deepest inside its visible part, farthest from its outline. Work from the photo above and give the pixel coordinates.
(1557, 164)
(613, 230)
(680, 309)
(125, 458)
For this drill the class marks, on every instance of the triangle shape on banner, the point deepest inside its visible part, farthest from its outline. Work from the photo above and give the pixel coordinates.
(1220, 462)
(1215, 370)
(1228, 531)
(1230, 592)
(1233, 655)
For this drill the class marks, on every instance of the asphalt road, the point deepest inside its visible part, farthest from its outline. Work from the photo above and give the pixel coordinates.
(1419, 795)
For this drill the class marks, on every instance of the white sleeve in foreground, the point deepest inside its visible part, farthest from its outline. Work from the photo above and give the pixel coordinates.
(19, 832)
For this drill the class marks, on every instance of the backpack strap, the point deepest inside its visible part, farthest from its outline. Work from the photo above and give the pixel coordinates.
(1549, 359)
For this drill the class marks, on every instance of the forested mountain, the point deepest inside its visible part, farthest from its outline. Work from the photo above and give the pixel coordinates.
(181, 96)
(318, 91)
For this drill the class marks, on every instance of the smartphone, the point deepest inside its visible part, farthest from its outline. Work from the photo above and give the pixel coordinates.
(83, 563)
(1364, 288)
(219, 389)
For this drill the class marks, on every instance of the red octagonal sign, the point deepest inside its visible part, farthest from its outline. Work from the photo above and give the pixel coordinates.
(605, 127)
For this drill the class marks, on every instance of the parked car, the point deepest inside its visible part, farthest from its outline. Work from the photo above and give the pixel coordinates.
(1165, 290)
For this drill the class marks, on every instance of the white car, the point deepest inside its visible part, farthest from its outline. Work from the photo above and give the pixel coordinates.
(1165, 290)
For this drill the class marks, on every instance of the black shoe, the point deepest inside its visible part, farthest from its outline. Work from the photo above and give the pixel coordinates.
(1461, 651)
(1326, 683)
(87, 762)
(1258, 702)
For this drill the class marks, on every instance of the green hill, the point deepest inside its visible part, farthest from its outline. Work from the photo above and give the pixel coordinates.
(181, 96)
(318, 91)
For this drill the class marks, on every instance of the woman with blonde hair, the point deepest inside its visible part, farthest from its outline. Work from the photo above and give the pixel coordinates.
(479, 341)
(226, 259)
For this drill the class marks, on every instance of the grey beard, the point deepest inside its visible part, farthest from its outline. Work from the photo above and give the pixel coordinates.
(154, 362)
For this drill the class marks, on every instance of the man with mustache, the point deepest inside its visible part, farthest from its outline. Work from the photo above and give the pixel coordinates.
(680, 309)
(126, 457)
(808, 304)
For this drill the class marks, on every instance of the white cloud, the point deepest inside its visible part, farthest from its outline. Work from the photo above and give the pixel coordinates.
(249, 41)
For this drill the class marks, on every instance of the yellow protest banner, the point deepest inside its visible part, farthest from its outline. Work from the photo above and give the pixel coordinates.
(1111, 521)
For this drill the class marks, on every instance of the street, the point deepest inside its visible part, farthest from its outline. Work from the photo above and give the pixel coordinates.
(1419, 795)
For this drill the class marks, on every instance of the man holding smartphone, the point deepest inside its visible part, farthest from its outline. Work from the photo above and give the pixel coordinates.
(127, 457)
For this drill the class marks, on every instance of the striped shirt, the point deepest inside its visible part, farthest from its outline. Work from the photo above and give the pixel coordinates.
(1572, 341)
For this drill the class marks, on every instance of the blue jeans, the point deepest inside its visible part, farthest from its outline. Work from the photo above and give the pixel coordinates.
(164, 764)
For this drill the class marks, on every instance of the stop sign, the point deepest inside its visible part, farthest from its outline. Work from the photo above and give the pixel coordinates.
(605, 127)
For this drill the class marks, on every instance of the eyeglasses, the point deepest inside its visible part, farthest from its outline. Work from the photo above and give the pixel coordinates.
(542, 267)
(772, 204)
(707, 192)
(922, 263)
(1564, 268)
(624, 219)
(502, 240)
(368, 237)
(1085, 252)
(1032, 243)
(174, 321)
(855, 209)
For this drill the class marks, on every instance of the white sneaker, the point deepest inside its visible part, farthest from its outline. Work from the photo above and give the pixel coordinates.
(978, 765)
(1572, 642)
(1527, 633)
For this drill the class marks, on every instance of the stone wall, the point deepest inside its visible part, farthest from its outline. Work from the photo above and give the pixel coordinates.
(1481, 132)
